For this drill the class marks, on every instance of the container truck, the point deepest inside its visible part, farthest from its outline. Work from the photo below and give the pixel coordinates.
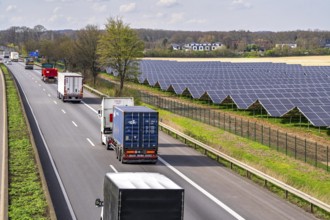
(135, 134)
(48, 72)
(29, 63)
(145, 196)
(14, 56)
(69, 86)
(106, 115)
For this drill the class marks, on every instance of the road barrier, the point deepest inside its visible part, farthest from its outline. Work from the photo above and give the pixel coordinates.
(249, 170)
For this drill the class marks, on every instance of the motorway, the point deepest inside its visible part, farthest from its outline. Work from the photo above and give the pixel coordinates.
(75, 162)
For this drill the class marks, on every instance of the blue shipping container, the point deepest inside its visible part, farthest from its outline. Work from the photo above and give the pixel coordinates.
(135, 127)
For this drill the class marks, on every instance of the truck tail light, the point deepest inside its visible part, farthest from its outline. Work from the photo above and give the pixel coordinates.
(151, 152)
(130, 152)
(111, 117)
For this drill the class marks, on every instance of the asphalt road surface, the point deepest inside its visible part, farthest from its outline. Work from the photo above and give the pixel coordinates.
(75, 162)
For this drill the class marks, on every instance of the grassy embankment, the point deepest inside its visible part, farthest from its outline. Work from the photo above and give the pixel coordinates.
(26, 195)
(305, 177)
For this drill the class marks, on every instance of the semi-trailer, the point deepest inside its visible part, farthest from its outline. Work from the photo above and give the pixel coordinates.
(48, 72)
(135, 134)
(105, 114)
(69, 86)
(147, 196)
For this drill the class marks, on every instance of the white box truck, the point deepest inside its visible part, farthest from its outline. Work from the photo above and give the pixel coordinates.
(141, 196)
(14, 56)
(69, 86)
(105, 114)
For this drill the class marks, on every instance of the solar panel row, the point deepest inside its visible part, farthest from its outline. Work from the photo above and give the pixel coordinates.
(276, 87)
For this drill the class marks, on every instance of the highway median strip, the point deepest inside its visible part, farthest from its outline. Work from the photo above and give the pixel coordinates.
(25, 192)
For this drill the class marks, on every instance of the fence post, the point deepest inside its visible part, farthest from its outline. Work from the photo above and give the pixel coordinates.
(229, 123)
(295, 147)
(255, 131)
(248, 134)
(235, 125)
(286, 143)
(241, 127)
(269, 137)
(327, 158)
(262, 134)
(277, 140)
(305, 150)
(224, 121)
(315, 154)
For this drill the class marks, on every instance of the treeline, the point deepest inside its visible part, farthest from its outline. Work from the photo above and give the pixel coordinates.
(158, 42)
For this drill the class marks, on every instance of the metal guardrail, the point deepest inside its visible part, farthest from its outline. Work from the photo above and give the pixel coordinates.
(250, 170)
(4, 165)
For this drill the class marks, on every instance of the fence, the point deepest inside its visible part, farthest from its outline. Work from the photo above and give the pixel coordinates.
(290, 144)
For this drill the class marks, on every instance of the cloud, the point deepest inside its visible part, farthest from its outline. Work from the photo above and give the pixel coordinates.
(99, 7)
(11, 8)
(127, 8)
(196, 21)
(57, 9)
(167, 3)
(240, 4)
(176, 17)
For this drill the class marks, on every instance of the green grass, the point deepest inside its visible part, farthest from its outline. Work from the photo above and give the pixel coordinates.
(26, 196)
(300, 175)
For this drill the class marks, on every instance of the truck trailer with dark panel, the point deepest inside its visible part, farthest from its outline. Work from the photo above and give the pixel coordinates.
(141, 196)
(135, 134)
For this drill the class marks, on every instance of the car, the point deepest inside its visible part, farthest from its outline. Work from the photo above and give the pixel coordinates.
(9, 62)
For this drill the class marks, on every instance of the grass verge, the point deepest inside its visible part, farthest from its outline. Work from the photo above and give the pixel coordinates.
(26, 196)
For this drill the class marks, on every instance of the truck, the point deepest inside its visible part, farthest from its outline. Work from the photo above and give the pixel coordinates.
(69, 86)
(14, 56)
(105, 114)
(6, 54)
(141, 195)
(135, 134)
(29, 63)
(48, 72)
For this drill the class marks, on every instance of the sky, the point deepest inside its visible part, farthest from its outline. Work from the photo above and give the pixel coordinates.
(187, 15)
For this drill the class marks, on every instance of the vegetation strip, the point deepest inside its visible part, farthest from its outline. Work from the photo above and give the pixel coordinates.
(26, 195)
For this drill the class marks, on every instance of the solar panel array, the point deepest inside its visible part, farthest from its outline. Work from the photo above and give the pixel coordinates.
(277, 87)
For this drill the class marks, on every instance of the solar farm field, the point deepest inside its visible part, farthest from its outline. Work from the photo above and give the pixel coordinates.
(279, 86)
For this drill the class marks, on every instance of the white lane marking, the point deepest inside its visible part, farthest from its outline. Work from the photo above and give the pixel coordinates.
(74, 124)
(90, 142)
(63, 111)
(39, 84)
(89, 107)
(207, 194)
(48, 94)
(113, 168)
(55, 102)
(44, 90)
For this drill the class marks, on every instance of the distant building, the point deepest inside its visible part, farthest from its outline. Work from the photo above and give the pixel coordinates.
(286, 45)
(327, 43)
(197, 46)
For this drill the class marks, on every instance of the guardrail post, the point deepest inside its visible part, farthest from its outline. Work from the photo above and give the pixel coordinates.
(312, 208)
(265, 183)
(286, 194)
